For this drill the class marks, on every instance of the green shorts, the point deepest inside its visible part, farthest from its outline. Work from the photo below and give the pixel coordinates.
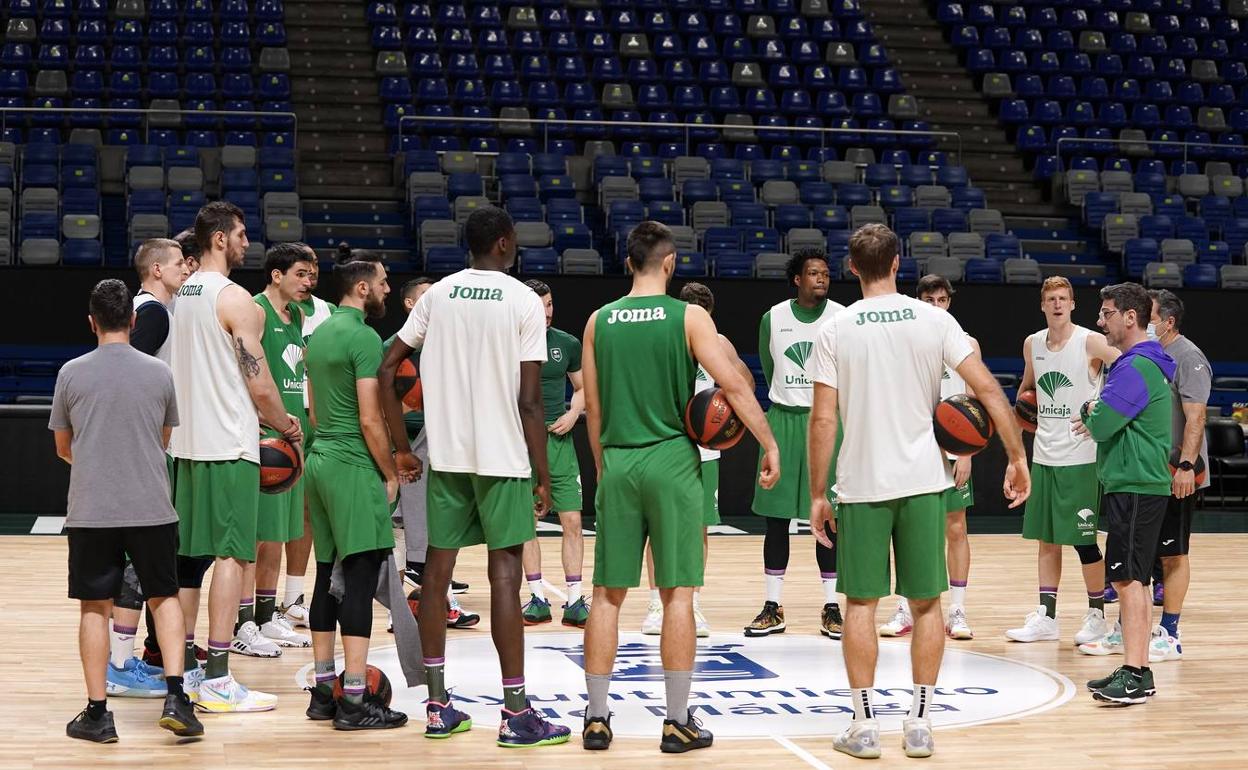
(347, 508)
(466, 509)
(565, 473)
(915, 529)
(959, 498)
(790, 497)
(281, 516)
(218, 504)
(1064, 505)
(650, 492)
(710, 493)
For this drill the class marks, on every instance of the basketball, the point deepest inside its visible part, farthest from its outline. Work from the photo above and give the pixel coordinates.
(407, 385)
(1025, 409)
(710, 421)
(1198, 466)
(376, 685)
(962, 425)
(413, 602)
(280, 465)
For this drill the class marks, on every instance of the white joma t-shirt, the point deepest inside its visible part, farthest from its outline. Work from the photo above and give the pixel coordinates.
(473, 329)
(885, 356)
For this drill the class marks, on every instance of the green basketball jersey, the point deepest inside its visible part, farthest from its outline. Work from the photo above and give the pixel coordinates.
(645, 370)
(343, 350)
(563, 355)
(283, 351)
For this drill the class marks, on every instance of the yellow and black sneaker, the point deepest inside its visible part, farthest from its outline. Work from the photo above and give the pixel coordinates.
(596, 735)
(832, 624)
(769, 621)
(678, 738)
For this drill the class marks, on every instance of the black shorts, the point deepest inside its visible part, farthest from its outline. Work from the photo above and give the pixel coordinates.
(97, 560)
(1133, 522)
(1176, 528)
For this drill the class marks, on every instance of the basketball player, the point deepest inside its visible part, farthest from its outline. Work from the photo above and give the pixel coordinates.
(1063, 364)
(1131, 423)
(190, 248)
(217, 363)
(351, 488)
(785, 338)
(563, 365)
(879, 364)
(697, 294)
(641, 357)
(482, 339)
(112, 410)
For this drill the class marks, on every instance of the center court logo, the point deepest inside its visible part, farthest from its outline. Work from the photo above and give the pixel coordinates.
(1051, 383)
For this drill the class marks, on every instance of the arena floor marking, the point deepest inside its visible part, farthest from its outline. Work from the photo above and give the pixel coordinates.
(801, 753)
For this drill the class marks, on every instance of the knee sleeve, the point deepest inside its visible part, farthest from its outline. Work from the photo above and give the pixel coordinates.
(323, 612)
(191, 571)
(826, 557)
(130, 597)
(359, 574)
(1088, 554)
(776, 544)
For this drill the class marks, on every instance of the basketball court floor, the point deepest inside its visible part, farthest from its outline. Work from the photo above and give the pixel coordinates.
(771, 702)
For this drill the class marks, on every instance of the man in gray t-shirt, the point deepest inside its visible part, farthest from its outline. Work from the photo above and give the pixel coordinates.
(112, 412)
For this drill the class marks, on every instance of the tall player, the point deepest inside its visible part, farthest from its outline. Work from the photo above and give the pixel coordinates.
(641, 357)
(482, 338)
(217, 363)
(785, 338)
(563, 365)
(1063, 364)
(877, 368)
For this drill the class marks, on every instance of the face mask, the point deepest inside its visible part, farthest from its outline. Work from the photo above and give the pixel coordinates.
(1151, 331)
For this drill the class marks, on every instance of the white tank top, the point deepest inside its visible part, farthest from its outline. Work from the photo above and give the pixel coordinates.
(319, 315)
(1063, 384)
(702, 382)
(142, 299)
(217, 416)
(791, 345)
(951, 384)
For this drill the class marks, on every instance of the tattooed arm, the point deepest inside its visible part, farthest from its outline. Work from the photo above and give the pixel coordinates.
(239, 318)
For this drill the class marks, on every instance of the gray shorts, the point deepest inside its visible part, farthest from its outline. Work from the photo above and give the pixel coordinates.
(412, 511)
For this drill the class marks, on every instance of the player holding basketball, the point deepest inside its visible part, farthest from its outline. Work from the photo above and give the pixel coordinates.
(641, 356)
(785, 338)
(563, 365)
(217, 368)
(1063, 364)
(482, 337)
(879, 364)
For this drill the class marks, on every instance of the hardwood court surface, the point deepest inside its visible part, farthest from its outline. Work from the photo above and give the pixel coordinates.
(1195, 721)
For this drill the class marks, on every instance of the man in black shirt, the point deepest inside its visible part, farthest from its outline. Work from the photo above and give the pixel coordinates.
(162, 269)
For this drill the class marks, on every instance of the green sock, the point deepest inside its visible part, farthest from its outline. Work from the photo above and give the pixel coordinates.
(514, 697)
(246, 610)
(1048, 598)
(218, 660)
(189, 661)
(266, 605)
(435, 675)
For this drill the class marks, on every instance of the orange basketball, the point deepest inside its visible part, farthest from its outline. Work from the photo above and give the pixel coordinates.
(962, 425)
(280, 465)
(1025, 408)
(711, 422)
(376, 685)
(1198, 467)
(407, 385)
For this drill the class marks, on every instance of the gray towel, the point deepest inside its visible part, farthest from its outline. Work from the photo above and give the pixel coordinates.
(406, 633)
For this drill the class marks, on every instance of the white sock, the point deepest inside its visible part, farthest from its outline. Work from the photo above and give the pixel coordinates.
(829, 589)
(957, 596)
(120, 647)
(922, 705)
(294, 589)
(654, 596)
(574, 591)
(535, 586)
(775, 586)
(862, 704)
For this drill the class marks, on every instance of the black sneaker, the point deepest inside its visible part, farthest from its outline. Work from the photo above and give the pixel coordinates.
(321, 706)
(596, 735)
(769, 621)
(178, 716)
(100, 730)
(678, 738)
(369, 714)
(831, 623)
(413, 576)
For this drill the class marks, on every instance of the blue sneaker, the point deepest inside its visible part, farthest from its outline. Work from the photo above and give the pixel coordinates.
(1111, 596)
(131, 681)
(526, 729)
(155, 672)
(442, 720)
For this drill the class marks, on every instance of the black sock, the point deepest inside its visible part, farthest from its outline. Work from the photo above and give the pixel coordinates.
(174, 684)
(1133, 671)
(96, 709)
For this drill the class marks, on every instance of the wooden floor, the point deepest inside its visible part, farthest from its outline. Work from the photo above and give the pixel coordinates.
(1196, 720)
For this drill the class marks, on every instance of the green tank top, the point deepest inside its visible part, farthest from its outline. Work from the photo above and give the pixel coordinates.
(283, 351)
(645, 370)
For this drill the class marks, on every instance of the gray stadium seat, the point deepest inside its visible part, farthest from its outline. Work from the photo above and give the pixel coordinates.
(466, 204)
(278, 60)
(771, 264)
(742, 128)
(1092, 42)
(283, 229)
(760, 26)
(617, 96)
(1138, 23)
(949, 267)
(458, 162)
(925, 245)
(684, 238)
(748, 74)
(41, 251)
(932, 196)
(146, 178)
(1178, 250)
(864, 215)
(1229, 186)
(840, 172)
(985, 221)
(89, 136)
(522, 17)
(860, 156)
(634, 45)
(997, 85)
(1234, 277)
(709, 214)
(1135, 142)
(130, 9)
(1211, 119)
(815, 8)
(1193, 185)
(281, 204)
(903, 107)
(1139, 204)
(390, 63)
(80, 226)
(40, 200)
(425, 183)
(1159, 275)
(253, 257)
(841, 54)
(1117, 181)
(777, 192)
(581, 262)
(1205, 71)
(146, 226)
(438, 232)
(183, 178)
(1079, 183)
(966, 246)
(51, 83)
(170, 115)
(689, 167)
(514, 128)
(238, 156)
(806, 238)
(616, 188)
(1117, 230)
(1025, 271)
(533, 235)
(21, 30)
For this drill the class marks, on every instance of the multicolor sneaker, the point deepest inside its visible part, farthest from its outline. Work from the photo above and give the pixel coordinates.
(653, 623)
(83, 727)
(576, 614)
(861, 739)
(249, 641)
(1124, 689)
(191, 682)
(831, 624)
(679, 738)
(1037, 627)
(458, 617)
(442, 720)
(369, 714)
(1094, 626)
(701, 627)
(596, 735)
(957, 628)
(1097, 684)
(1163, 646)
(1111, 595)
(899, 625)
(536, 611)
(528, 728)
(1159, 594)
(1109, 644)
(769, 621)
(296, 614)
(132, 680)
(178, 717)
(224, 695)
(283, 634)
(916, 737)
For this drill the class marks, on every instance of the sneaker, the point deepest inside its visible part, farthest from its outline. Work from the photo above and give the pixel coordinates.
(249, 641)
(701, 627)
(861, 739)
(280, 632)
(191, 682)
(155, 672)
(1094, 626)
(413, 577)
(1124, 688)
(296, 614)
(653, 624)
(528, 728)
(899, 625)
(1159, 594)
(916, 737)
(1109, 644)
(224, 695)
(576, 614)
(1111, 596)
(101, 730)
(1038, 627)
(442, 720)
(1163, 646)
(956, 627)
(678, 738)
(178, 717)
(831, 624)
(321, 705)
(133, 681)
(536, 611)
(1098, 684)
(769, 621)
(458, 617)
(369, 714)
(596, 735)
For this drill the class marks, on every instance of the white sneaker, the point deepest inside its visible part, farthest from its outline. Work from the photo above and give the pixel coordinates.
(296, 614)
(191, 682)
(224, 695)
(701, 627)
(1110, 644)
(1094, 627)
(899, 625)
(957, 628)
(861, 739)
(916, 737)
(1163, 646)
(249, 641)
(1038, 627)
(279, 631)
(653, 624)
